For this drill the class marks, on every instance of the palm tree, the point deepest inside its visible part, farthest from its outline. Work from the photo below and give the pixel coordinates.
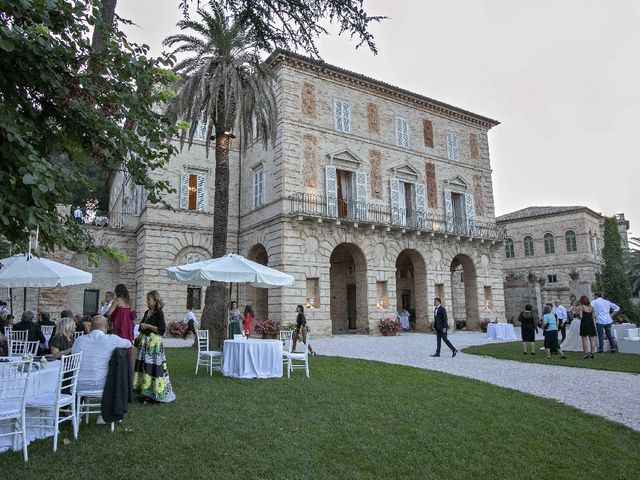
(225, 85)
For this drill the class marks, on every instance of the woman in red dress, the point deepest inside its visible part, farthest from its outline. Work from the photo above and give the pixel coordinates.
(248, 319)
(121, 314)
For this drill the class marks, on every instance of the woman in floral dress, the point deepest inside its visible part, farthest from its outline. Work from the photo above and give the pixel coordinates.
(151, 377)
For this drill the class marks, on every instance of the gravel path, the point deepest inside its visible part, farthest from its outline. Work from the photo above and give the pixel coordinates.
(612, 395)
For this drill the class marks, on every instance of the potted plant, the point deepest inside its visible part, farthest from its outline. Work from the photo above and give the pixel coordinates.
(461, 324)
(483, 325)
(176, 329)
(389, 327)
(268, 328)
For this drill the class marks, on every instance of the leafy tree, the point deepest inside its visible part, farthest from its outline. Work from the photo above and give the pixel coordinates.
(633, 262)
(63, 107)
(226, 84)
(614, 280)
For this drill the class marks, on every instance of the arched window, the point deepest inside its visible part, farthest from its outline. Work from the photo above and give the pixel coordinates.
(193, 257)
(508, 248)
(570, 239)
(549, 244)
(528, 246)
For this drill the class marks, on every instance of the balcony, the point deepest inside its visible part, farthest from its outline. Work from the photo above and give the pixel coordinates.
(316, 206)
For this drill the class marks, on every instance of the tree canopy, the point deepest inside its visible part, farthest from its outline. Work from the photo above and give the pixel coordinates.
(64, 109)
(615, 283)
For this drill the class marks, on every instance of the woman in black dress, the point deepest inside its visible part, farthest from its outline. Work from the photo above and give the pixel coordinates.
(301, 330)
(529, 329)
(587, 326)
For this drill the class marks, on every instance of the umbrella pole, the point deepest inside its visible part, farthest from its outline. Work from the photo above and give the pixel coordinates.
(11, 299)
(24, 300)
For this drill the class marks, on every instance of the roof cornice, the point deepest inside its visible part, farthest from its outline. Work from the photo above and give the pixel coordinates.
(283, 57)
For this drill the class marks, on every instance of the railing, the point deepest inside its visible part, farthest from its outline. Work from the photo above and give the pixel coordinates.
(377, 214)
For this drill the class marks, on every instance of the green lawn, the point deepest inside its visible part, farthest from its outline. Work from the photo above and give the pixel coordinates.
(620, 362)
(353, 419)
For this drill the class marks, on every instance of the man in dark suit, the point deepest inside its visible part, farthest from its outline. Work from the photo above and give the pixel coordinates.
(441, 324)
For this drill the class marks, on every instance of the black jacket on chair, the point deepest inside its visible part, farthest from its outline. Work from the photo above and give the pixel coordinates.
(117, 388)
(441, 318)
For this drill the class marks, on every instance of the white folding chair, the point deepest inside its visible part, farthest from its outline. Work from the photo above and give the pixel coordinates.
(47, 330)
(14, 382)
(63, 401)
(78, 334)
(285, 338)
(22, 347)
(88, 402)
(206, 357)
(298, 360)
(16, 335)
(7, 331)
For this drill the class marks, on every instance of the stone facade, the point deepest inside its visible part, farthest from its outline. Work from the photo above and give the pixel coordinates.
(562, 261)
(372, 198)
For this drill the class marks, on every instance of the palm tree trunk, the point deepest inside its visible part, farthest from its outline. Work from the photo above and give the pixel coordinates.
(216, 298)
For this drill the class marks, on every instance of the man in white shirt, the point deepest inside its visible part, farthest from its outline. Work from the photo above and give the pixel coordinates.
(602, 309)
(561, 315)
(106, 304)
(77, 214)
(191, 322)
(97, 348)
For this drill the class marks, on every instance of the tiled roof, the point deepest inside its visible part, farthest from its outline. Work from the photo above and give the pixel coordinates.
(539, 212)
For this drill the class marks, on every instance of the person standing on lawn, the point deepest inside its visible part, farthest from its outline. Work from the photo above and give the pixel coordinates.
(561, 315)
(528, 329)
(550, 328)
(300, 331)
(604, 320)
(441, 324)
(191, 322)
(587, 326)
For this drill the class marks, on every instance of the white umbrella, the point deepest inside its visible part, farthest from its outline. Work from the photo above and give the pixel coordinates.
(231, 268)
(29, 271)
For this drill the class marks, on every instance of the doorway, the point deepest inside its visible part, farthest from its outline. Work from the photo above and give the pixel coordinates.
(352, 309)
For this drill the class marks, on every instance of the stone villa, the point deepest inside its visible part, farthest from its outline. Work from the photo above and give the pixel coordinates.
(373, 198)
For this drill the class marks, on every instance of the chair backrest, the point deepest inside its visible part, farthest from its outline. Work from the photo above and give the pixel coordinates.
(68, 379)
(47, 329)
(14, 378)
(285, 338)
(20, 347)
(78, 334)
(203, 340)
(19, 335)
(7, 331)
(300, 344)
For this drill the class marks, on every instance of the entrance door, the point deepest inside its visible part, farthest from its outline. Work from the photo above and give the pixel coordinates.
(344, 193)
(459, 214)
(406, 299)
(352, 312)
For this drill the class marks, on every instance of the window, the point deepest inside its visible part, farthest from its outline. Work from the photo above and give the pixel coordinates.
(193, 191)
(342, 114)
(200, 132)
(508, 248)
(528, 246)
(452, 146)
(549, 244)
(591, 240)
(570, 239)
(90, 302)
(194, 298)
(402, 132)
(552, 278)
(313, 293)
(258, 187)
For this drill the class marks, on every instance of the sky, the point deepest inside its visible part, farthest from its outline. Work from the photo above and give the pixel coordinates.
(562, 77)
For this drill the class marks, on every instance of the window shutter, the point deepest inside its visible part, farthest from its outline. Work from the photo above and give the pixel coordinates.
(452, 146)
(331, 190)
(448, 210)
(338, 108)
(184, 190)
(346, 117)
(361, 195)
(471, 214)
(200, 193)
(394, 189)
(402, 132)
(420, 206)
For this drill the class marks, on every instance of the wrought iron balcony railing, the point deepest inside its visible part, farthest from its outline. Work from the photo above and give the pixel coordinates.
(376, 214)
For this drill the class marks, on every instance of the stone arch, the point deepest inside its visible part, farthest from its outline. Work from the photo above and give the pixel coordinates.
(258, 297)
(181, 256)
(464, 291)
(411, 285)
(348, 289)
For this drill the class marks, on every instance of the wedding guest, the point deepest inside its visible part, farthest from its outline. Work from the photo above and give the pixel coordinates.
(587, 326)
(561, 315)
(77, 318)
(63, 338)
(105, 305)
(300, 331)
(3, 307)
(529, 328)
(441, 324)
(4, 345)
(3, 321)
(249, 315)
(602, 309)
(45, 320)
(26, 323)
(550, 328)
(191, 322)
(151, 377)
(235, 317)
(121, 313)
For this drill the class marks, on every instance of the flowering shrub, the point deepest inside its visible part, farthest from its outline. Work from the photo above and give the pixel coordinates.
(461, 324)
(483, 325)
(389, 325)
(268, 327)
(176, 329)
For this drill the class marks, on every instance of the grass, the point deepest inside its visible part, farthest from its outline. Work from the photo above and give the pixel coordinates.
(619, 362)
(353, 419)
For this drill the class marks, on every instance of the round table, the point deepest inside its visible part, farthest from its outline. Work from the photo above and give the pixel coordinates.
(501, 331)
(252, 358)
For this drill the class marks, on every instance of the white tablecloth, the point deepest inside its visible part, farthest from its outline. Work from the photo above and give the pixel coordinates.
(573, 340)
(501, 331)
(252, 358)
(40, 382)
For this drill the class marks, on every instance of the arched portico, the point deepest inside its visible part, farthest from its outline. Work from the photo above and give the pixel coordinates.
(464, 291)
(411, 285)
(258, 297)
(348, 289)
